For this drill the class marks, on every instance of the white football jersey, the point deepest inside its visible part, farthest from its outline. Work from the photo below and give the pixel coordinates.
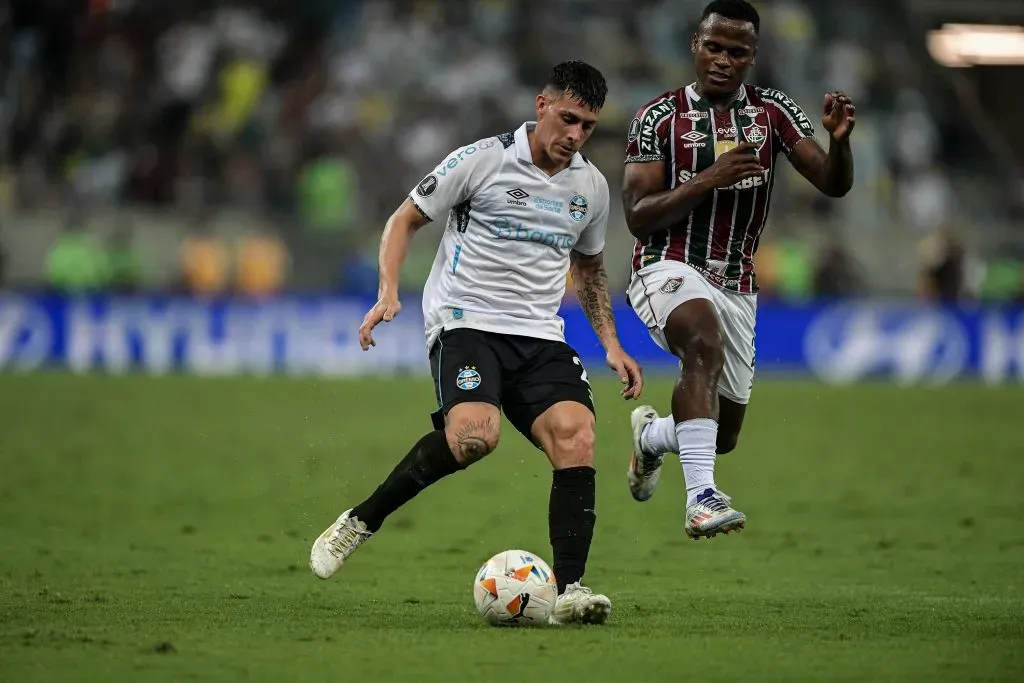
(503, 260)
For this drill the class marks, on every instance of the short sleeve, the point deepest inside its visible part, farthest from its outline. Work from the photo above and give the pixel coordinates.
(592, 238)
(790, 124)
(456, 178)
(647, 138)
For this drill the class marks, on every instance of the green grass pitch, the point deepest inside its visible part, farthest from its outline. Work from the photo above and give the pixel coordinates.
(159, 530)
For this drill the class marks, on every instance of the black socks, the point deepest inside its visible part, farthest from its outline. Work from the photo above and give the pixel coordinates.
(429, 461)
(570, 511)
(571, 522)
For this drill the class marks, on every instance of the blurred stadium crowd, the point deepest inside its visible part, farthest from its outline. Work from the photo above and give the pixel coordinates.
(257, 147)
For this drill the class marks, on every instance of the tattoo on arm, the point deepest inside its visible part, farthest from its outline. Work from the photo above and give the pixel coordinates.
(472, 439)
(592, 290)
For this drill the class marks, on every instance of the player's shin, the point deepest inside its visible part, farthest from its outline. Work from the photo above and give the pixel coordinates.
(571, 521)
(693, 404)
(697, 455)
(430, 460)
(708, 511)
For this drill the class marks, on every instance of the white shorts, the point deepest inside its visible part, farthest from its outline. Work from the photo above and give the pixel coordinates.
(656, 290)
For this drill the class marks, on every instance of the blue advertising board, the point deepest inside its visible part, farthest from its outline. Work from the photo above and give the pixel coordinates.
(906, 343)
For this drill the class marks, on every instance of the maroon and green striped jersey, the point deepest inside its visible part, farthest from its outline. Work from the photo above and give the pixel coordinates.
(682, 130)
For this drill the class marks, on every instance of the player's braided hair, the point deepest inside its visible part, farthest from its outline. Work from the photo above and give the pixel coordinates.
(580, 81)
(740, 10)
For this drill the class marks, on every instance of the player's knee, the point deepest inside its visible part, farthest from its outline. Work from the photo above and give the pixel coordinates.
(702, 347)
(472, 439)
(572, 442)
(695, 336)
(727, 441)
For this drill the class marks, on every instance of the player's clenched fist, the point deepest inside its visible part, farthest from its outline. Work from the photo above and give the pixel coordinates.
(739, 163)
(385, 310)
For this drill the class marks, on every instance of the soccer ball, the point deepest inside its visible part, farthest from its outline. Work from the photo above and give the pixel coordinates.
(515, 588)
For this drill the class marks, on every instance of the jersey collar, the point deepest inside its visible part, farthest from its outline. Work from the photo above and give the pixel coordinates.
(691, 92)
(523, 152)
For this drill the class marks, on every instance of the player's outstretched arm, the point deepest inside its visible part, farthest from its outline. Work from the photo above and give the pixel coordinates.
(831, 172)
(591, 282)
(394, 246)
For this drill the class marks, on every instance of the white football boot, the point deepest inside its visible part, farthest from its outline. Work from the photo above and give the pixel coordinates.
(335, 544)
(644, 470)
(579, 605)
(711, 514)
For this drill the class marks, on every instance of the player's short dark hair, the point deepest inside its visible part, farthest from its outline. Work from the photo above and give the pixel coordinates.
(740, 10)
(580, 81)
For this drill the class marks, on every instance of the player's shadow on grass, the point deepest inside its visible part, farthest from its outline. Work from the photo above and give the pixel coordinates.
(403, 613)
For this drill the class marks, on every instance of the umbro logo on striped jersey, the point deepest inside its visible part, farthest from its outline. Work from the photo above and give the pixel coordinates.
(694, 138)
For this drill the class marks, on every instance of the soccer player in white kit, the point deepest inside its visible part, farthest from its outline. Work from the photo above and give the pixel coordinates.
(521, 210)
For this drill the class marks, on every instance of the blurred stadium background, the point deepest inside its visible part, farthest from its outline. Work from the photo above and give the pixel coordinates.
(255, 149)
(199, 187)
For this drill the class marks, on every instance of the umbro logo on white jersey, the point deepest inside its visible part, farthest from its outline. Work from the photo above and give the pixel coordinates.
(517, 196)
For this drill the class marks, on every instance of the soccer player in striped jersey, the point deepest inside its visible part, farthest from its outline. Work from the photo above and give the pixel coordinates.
(700, 167)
